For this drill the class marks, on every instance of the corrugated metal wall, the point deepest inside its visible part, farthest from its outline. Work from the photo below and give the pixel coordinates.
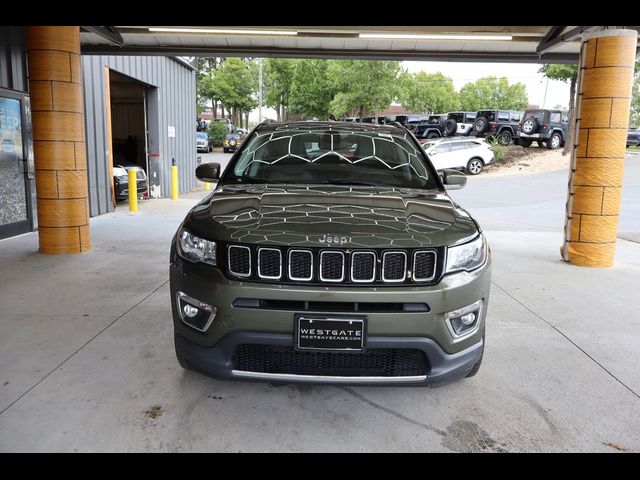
(175, 97)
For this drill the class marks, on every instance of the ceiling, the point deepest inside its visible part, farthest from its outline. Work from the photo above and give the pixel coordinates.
(561, 44)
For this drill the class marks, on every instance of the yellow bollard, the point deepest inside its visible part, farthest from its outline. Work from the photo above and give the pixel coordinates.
(133, 191)
(207, 186)
(174, 182)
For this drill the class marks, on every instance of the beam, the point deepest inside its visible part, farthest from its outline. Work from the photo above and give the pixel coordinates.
(552, 34)
(285, 52)
(545, 46)
(109, 33)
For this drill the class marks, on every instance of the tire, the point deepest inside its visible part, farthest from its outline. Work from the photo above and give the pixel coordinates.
(481, 124)
(554, 142)
(183, 363)
(432, 135)
(450, 127)
(505, 137)
(524, 142)
(530, 125)
(474, 166)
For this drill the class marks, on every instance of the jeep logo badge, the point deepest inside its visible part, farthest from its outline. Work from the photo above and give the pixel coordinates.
(334, 239)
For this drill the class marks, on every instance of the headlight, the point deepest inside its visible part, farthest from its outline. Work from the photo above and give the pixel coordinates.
(468, 256)
(196, 249)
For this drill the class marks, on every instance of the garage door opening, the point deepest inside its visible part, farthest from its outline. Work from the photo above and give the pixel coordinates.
(129, 142)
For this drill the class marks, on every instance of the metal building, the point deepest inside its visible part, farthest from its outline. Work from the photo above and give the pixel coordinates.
(152, 100)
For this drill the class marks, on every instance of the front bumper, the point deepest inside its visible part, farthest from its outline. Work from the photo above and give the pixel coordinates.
(211, 352)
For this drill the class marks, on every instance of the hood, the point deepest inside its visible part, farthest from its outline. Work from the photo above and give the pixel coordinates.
(318, 216)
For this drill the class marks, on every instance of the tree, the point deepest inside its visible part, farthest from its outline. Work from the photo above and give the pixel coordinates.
(427, 92)
(564, 73)
(235, 84)
(278, 79)
(205, 90)
(634, 114)
(493, 93)
(362, 85)
(311, 90)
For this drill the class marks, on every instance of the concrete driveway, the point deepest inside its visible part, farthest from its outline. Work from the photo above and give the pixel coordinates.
(87, 360)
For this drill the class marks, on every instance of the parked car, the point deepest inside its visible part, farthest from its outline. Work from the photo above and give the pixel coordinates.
(468, 154)
(306, 267)
(121, 181)
(202, 142)
(433, 126)
(405, 119)
(460, 123)
(231, 142)
(501, 124)
(543, 126)
(633, 137)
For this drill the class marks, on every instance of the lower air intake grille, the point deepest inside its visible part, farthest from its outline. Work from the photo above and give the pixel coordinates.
(383, 362)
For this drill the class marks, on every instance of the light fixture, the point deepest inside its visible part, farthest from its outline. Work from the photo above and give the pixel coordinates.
(435, 36)
(228, 31)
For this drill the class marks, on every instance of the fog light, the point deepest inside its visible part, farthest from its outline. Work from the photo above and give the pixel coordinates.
(194, 313)
(464, 321)
(190, 311)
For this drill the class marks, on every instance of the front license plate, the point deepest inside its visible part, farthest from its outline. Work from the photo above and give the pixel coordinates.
(330, 333)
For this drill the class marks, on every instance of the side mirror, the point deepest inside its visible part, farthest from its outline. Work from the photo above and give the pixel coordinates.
(453, 180)
(208, 172)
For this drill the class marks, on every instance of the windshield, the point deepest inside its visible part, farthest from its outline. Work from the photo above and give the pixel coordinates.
(330, 156)
(201, 136)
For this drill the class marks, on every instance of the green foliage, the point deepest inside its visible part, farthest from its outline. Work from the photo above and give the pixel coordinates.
(217, 131)
(493, 93)
(634, 115)
(311, 90)
(562, 72)
(499, 151)
(427, 92)
(277, 74)
(235, 83)
(362, 85)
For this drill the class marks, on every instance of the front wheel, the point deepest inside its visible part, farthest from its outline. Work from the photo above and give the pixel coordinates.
(475, 165)
(555, 141)
(505, 137)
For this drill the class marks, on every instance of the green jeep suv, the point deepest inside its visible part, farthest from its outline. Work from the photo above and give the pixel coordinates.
(330, 252)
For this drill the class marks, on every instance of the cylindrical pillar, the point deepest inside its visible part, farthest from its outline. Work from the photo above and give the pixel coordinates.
(132, 184)
(597, 163)
(174, 182)
(55, 86)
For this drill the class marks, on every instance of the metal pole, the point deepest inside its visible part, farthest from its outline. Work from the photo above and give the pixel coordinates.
(259, 90)
(544, 100)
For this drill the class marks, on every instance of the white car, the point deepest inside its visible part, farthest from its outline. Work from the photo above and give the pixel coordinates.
(469, 154)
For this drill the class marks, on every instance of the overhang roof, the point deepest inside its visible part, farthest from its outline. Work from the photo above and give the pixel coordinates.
(562, 43)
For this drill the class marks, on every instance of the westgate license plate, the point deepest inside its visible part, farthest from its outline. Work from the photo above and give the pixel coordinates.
(330, 333)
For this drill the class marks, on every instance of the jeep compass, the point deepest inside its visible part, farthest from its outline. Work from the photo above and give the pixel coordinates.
(330, 252)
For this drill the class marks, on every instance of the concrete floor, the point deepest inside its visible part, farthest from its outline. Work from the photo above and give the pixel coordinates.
(87, 360)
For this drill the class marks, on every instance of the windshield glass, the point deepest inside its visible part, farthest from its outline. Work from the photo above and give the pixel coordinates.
(201, 136)
(331, 156)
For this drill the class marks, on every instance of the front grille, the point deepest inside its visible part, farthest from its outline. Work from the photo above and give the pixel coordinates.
(363, 267)
(300, 265)
(394, 266)
(269, 263)
(424, 266)
(318, 266)
(379, 362)
(240, 260)
(332, 266)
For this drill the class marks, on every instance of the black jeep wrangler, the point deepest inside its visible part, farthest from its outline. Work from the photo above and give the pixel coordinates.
(434, 126)
(501, 124)
(543, 126)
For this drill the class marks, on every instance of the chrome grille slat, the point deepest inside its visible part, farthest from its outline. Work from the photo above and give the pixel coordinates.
(331, 262)
(394, 266)
(424, 265)
(300, 265)
(269, 263)
(239, 260)
(363, 267)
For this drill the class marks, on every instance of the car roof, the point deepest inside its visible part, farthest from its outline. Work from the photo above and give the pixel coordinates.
(330, 125)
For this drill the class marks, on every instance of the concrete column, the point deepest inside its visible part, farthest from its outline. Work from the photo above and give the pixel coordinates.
(597, 163)
(57, 105)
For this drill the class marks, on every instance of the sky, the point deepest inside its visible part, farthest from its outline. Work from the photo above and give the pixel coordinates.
(557, 93)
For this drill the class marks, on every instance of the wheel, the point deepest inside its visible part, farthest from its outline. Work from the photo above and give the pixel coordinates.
(475, 165)
(450, 127)
(433, 135)
(554, 142)
(524, 142)
(530, 125)
(481, 124)
(505, 137)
